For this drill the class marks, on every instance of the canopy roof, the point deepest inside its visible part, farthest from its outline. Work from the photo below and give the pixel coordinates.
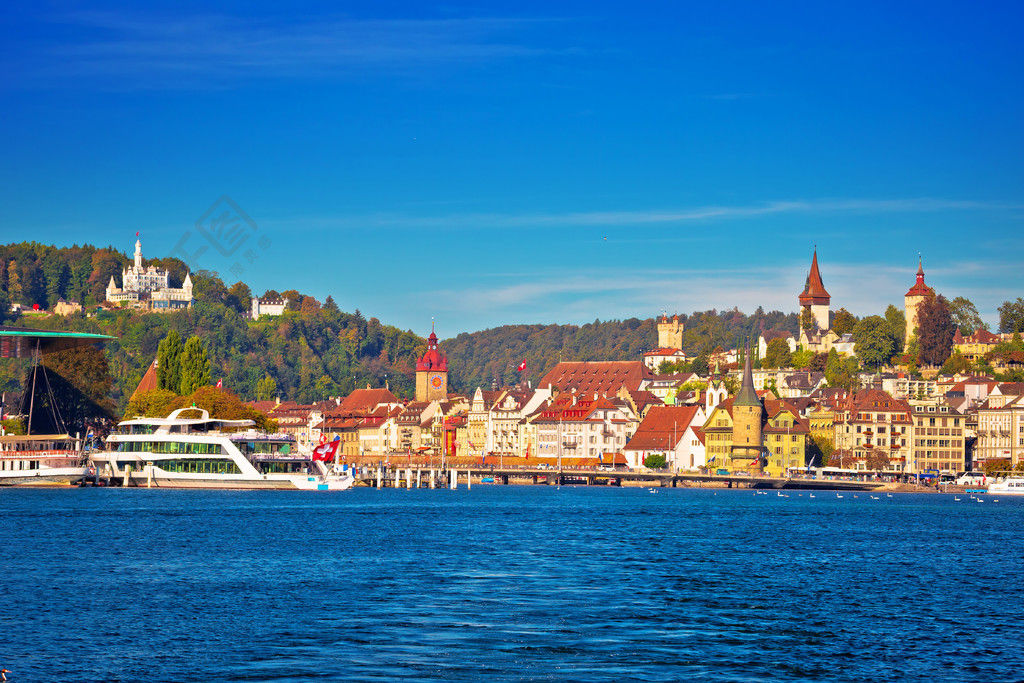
(19, 342)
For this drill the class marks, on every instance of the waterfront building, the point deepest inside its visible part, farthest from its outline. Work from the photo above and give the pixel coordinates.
(575, 425)
(912, 301)
(506, 419)
(477, 422)
(432, 372)
(939, 442)
(267, 307)
(1001, 427)
(670, 431)
(149, 288)
(873, 431)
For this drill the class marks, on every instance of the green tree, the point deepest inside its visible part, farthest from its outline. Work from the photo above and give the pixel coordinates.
(168, 363)
(195, 366)
(873, 342)
(807, 320)
(239, 297)
(897, 325)
(777, 355)
(956, 364)
(844, 322)
(802, 359)
(208, 287)
(81, 386)
(965, 316)
(266, 389)
(935, 330)
(654, 461)
(1011, 315)
(57, 275)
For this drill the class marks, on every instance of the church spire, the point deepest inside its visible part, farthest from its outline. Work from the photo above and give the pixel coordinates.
(747, 395)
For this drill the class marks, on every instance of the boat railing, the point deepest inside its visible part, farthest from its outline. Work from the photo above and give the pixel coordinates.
(47, 453)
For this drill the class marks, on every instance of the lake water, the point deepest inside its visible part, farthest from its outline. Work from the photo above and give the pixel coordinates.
(508, 583)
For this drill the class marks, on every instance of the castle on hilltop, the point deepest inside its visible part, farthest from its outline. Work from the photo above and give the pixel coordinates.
(149, 288)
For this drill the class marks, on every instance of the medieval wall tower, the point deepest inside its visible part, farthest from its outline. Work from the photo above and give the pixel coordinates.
(915, 296)
(670, 333)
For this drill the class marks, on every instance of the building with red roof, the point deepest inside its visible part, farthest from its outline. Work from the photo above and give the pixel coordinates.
(669, 431)
(602, 377)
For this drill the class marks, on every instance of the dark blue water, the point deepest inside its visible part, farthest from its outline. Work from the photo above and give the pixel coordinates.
(507, 583)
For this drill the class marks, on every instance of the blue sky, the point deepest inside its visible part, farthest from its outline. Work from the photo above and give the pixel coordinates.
(529, 162)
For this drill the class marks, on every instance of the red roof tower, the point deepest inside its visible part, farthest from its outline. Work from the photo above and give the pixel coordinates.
(814, 293)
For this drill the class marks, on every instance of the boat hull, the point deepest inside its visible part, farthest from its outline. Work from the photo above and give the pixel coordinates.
(51, 476)
(159, 479)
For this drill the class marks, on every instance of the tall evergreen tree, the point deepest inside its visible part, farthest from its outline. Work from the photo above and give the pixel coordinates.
(168, 363)
(195, 366)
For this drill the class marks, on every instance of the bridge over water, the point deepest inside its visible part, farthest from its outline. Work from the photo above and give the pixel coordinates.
(436, 478)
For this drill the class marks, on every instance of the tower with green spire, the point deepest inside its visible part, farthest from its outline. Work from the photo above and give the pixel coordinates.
(747, 420)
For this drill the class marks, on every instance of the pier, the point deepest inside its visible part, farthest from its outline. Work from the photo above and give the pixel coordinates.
(414, 477)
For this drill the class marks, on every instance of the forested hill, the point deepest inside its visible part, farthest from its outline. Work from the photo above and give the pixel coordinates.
(493, 356)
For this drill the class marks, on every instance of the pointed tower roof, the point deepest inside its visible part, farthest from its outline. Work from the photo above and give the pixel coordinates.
(920, 288)
(814, 291)
(188, 280)
(432, 359)
(747, 395)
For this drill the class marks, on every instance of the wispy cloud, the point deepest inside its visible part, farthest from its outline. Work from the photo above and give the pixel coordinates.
(583, 295)
(173, 49)
(644, 216)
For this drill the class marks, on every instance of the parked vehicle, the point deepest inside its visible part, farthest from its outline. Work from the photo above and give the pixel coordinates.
(972, 479)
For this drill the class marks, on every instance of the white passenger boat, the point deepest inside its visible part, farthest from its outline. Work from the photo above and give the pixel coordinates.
(40, 460)
(204, 452)
(1011, 486)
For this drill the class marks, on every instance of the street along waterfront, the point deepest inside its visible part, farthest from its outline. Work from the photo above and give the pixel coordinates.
(506, 583)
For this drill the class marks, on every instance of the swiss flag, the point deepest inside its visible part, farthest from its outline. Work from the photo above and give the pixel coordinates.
(522, 365)
(326, 451)
(220, 384)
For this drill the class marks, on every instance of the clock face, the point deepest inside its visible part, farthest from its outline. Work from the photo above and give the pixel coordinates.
(437, 381)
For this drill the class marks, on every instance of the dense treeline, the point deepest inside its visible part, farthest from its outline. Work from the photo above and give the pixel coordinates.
(493, 356)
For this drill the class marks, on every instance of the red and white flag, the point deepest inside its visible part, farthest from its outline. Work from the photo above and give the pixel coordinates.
(522, 365)
(326, 451)
(220, 384)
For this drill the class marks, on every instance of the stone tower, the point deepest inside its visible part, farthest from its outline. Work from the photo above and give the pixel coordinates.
(747, 421)
(814, 297)
(912, 301)
(670, 333)
(432, 373)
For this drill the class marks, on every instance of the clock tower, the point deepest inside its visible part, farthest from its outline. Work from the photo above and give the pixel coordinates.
(432, 373)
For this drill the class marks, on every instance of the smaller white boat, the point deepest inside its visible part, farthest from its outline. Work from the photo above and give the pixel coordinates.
(1011, 486)
(40, 460)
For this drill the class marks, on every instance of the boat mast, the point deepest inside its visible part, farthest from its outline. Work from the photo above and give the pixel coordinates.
(32, 398)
